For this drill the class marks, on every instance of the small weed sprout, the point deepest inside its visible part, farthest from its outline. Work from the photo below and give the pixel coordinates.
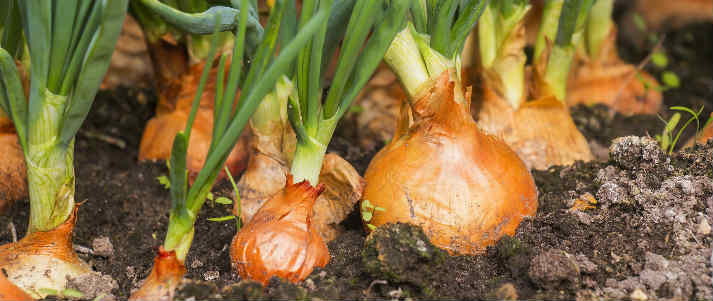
(163, 180)
(367, 213)
(226, 201)
(669, 79)
(63, 294)
(667, 140)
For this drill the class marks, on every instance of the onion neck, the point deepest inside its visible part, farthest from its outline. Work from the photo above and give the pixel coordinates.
(548, 26)
(557, 71)
(501, 42)
(179, 238)
(404, 58)
(417, 65)
(599, 25)
(307, 162)
(50, 167)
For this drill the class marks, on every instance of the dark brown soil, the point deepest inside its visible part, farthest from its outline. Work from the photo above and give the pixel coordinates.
(645, 235)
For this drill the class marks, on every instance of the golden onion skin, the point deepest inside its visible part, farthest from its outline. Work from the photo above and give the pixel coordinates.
(611, 81)
(166, 275)
(465, 188)
(281, 240)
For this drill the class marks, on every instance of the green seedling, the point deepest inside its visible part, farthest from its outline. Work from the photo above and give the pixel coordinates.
(367, 213)
(62, 294)
(667, 140)
(226, 201)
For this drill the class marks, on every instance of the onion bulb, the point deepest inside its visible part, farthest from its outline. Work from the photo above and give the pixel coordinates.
(43, 260)
(540, 131)
(272, 147)
(166, 274)
(609, 80)
(171, 116)
(280, 240)
(465, 188)
(12, 170)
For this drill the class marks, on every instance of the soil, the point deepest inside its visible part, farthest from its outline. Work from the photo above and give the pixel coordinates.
(634, 225)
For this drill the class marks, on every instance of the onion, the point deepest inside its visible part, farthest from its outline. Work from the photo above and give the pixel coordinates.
(171, 117)
(272, 147)
(609, 80)
(465, 188)
(43, 260)
(281, 240)
(541, 131)
(165, 276)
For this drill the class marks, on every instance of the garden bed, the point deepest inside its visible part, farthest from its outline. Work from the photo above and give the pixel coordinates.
(645, 235)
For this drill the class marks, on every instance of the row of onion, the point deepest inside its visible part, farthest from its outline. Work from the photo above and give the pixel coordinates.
(465, 183)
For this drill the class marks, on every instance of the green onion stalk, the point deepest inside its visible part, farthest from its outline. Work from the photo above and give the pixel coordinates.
(541, 130)
(601, 76)
(556, 45)
(70, 44)
(259, 77)
(464, 187)
(314, 117)
(501, 40)
(178, 42)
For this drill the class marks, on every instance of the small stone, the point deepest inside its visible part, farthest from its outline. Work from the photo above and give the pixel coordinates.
(211, 275)
(506, 291)
(553, 269)
(703, 228)
(196, 264)
(309, 284)
(94, 285)
(102, 246)
(638, 295)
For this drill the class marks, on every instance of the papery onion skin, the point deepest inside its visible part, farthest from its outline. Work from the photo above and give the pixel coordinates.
(465, 188)
(540, 131)
(43, 259)
(10, 292)
(280, 240)
(166, 274)
(609, 80)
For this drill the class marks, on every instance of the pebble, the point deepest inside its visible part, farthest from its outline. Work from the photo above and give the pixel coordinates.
(211, 275)
(638, 295)
(102, 246)
(704, 228)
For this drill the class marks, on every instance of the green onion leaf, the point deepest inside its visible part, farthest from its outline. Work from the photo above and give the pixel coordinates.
(224, 201)
(670, 79)
(222, 218)
(659, 59)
